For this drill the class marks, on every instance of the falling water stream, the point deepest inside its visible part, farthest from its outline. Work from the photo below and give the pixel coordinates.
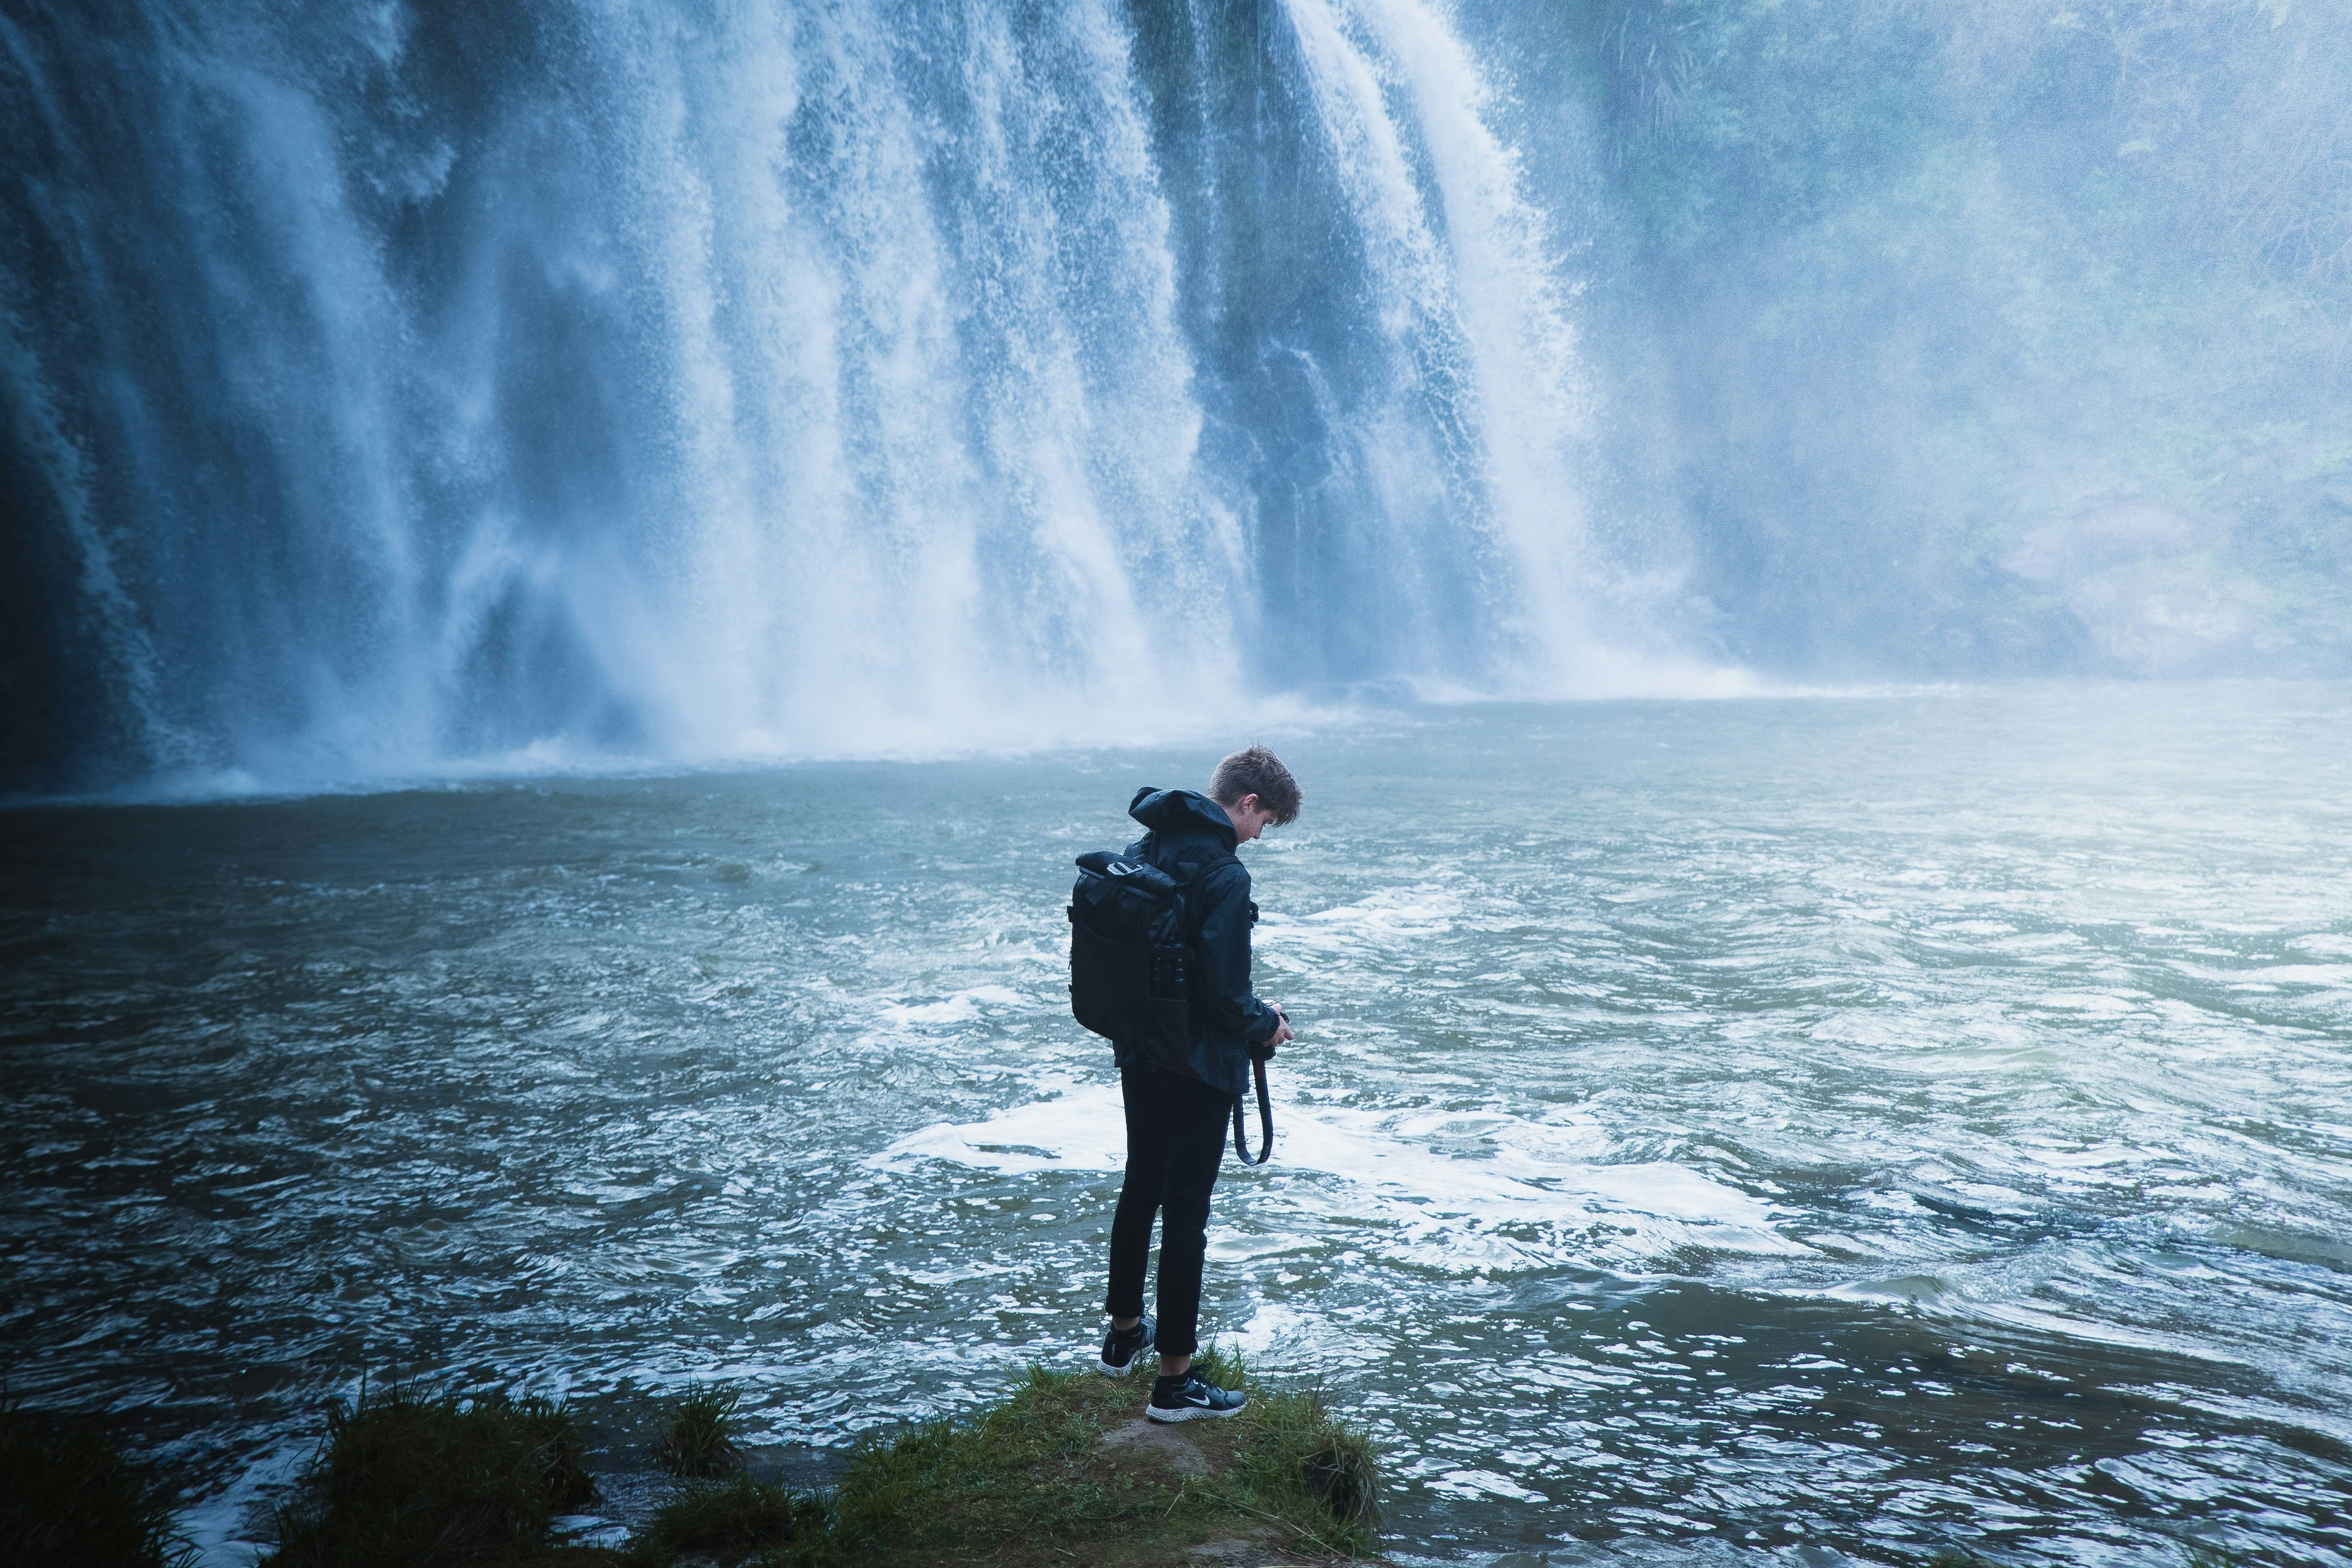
(411, 390)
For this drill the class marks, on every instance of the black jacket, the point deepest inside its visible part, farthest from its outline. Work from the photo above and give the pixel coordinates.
(1186, 831)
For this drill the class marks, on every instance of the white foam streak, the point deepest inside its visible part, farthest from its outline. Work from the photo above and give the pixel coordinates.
(1525, 1204)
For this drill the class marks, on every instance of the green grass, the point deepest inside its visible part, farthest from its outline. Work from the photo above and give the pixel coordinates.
(423, 1480)
(69, 1499)
(1025, 1482)
(1303, 1463)
(700, 1442)
(411, 1478)
(741, 1519)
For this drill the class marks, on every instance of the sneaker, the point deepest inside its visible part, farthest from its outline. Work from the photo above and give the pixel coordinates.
(1192, 1397)
(1122, 1348)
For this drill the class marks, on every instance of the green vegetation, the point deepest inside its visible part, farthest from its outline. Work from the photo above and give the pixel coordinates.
(742, 1521)
(1030, 1479)
(700, 1442)
(1063, 1468)
(409, 1480)
(2006, 336)
(1303, 1463)
(69, 1499)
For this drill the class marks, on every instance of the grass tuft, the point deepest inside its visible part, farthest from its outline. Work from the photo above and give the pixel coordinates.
(742, 1518)
(1298, 1462)
(700, 1442)
(1342, 1471)
(1027, 1481)
(69, 1498)
(434, 1482)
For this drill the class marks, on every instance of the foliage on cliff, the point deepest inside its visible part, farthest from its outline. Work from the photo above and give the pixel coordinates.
(2008, 336)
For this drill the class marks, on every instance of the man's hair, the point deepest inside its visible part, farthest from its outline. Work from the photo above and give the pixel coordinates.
(1256, 771)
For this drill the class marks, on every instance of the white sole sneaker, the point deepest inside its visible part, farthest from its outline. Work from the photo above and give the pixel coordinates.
(1190, 1413)
(1146, 1349)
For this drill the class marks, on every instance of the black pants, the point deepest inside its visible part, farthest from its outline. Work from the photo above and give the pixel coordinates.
(1175, 1141)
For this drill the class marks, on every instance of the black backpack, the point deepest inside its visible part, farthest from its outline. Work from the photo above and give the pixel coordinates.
(1130, 955)
(1131, 961)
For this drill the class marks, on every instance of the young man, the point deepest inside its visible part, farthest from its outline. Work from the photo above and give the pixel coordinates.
(1177, 1112)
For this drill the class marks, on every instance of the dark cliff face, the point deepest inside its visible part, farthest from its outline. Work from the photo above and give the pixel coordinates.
(236, 237)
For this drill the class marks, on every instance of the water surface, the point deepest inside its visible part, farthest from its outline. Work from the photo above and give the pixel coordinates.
(1865, 1124)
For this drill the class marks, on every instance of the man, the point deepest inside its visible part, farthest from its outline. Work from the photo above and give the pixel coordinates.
(1177, 1112)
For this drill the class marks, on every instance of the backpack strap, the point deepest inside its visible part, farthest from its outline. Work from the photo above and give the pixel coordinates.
(1189, 874)
(1192, 873)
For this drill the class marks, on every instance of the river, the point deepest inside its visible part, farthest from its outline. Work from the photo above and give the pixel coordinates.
(1842, 1125)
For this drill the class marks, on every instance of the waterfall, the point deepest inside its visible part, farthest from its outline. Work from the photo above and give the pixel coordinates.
(1464, 288)
(392, 391)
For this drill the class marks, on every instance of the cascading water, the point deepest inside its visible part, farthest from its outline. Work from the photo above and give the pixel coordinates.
(389, 390)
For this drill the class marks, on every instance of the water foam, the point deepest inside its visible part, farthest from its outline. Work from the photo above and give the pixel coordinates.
(1523, 1202)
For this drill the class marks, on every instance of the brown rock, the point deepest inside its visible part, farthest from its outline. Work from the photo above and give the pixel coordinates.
(1167, 1443)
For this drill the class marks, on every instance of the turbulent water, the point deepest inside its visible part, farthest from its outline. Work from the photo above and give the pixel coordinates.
(1858, 1126)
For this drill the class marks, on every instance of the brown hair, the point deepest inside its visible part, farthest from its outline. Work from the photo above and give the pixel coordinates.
(1256, 771)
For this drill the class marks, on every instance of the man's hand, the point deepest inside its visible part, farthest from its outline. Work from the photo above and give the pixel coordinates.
(1264, 1049)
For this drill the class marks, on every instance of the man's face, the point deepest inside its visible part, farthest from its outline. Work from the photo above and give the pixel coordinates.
(1249, 817)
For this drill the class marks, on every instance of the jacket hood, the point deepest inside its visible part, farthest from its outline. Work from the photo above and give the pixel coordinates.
(1169, 813)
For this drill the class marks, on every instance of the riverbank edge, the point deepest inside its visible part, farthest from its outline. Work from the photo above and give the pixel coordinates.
(1060, 1466)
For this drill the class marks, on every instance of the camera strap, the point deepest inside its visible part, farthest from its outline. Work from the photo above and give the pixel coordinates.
(1265, 1121)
